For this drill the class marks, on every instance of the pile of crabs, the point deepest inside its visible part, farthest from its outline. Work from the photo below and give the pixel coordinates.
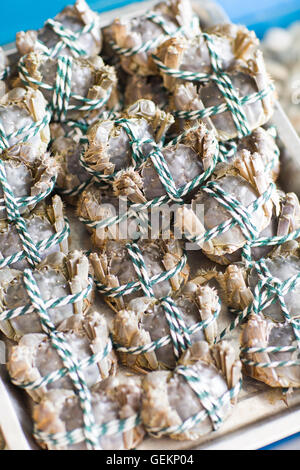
(171, 115)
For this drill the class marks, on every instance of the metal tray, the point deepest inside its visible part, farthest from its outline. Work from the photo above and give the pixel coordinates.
(262, 415)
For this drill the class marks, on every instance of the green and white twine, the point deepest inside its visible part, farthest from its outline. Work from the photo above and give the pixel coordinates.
(144, 283)
(62, 95)
(151, 44)
(180, 334)
(269, 290)
(213, 407)
(66, 39)
(73, 368)
(23, 134)
(65, 353)
(12, 207)
(233, 102)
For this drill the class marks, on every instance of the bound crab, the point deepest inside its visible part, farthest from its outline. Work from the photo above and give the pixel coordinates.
(27, 183)
(63, 286)
(262, 141)
(74, 31)
(267, 294)
(270, 351)
(284, 222)
(240, 283)
(230, 210)
(74, 87)
(152, 334)
(196, 397)
(62, 421)
(135, 39)
(115, 144)
(67, 146)
(101, 213)
(2, 442)
(35, 363)
(124, 270)
(233, 96)
(47, 229)
(232, 44)
(173, 171)
(24, 124)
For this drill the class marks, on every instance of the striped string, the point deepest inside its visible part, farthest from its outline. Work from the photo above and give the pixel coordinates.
(66, 355)
(233, 102)
(184, 332)
(151, 44)
(25, 133)
(62, 94)
(269, 290)
(212, 407)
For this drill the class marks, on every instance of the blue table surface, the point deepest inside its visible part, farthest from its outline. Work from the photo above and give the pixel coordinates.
(256, 14)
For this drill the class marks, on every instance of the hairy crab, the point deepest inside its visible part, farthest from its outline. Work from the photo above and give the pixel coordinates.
(237, 206)
(152, 334)
(35, 364)
(124, 270)
(135, 39)
(47, 229)
(24, 124)
(65, 288)
(114, 404)
(196, 397)
(74, 31)
(232, 92)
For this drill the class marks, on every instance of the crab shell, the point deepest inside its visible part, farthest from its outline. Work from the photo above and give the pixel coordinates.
(115, 398)
(26, 180)
(34, 357)
(73, 18)
(44, 221)
(145, 321)
(232, 43)
(239, 285)
(150, 88)
(2, 442)
(248, 79)
(283, 222)
(246, 181)
(168, 400)
(186, 160)
(22, 107)
(260, 332)
(109, 217)
(3, 72)
(91, 79)
(109, 146)
(66, 150)
(113, 267)
(99, 205)
(260, 141)
(135, 32)
(57, 276)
